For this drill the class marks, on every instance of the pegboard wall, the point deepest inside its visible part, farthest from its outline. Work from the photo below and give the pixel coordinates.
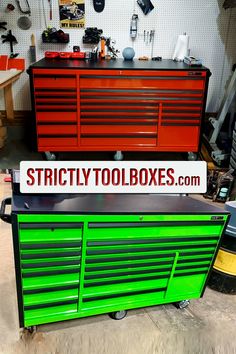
(211, 30)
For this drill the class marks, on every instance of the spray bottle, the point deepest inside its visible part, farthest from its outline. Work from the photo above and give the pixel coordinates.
(134, 26)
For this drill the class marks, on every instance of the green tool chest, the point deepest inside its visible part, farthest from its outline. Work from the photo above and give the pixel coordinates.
(82, 255)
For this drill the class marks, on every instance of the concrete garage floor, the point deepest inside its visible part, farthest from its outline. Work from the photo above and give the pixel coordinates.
(206, 326)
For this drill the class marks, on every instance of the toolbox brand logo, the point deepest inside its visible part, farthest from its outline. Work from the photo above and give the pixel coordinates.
(113, 177)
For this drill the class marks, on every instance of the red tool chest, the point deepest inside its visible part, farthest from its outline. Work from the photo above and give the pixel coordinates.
(118, 105)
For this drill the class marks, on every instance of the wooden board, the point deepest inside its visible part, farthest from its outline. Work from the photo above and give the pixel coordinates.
(2, 142)
(3, 132)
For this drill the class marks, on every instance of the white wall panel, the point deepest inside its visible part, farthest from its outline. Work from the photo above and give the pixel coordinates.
(211, 30)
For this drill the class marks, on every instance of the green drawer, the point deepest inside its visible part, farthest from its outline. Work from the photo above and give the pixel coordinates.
(50, 297)
(50, 281)
(50, 232)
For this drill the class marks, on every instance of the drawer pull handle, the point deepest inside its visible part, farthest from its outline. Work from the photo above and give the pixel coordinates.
(51, 226)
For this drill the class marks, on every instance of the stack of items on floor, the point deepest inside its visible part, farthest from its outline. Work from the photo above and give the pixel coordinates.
(3, 134)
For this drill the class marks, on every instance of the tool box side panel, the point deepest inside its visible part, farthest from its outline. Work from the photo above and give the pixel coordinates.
(16, 249)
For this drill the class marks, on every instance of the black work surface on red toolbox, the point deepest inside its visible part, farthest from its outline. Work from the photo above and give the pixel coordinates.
(118, 64)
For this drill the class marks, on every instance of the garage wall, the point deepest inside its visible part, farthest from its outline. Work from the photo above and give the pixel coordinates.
(211, 30)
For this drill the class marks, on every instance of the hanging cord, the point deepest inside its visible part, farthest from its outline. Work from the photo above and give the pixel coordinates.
(44, 15)
(26, 12)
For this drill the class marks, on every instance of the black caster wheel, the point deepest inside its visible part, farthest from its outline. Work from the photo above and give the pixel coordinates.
(118, 315)
(182, 304)
(31, 329)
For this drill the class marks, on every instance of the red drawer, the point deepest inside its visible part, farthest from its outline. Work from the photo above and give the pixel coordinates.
(54, 82)
(57, 142)
(118, 129)
(141, 83)
(56, 116)
(57, 129)
(113, 142)
(182, 136)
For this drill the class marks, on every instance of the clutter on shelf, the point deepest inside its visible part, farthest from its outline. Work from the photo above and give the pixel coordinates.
(52, 35)
(92, 35)
(219, 185)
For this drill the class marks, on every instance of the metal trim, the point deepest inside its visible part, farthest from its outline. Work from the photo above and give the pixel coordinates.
(51, 304)
(47, 290)
(50, 255)
(123, 294)
(149, 240)
(144, 249)
(50, 272)
(98, 225)
(28, 246)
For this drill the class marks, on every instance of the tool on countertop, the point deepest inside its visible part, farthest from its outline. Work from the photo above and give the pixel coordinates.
(64, 55)
(134, 26)
(25, 12)
(24, 22)
(157, 58)
(192, 61)
(3, 25)
(12, 40)
(76, 48)
(98, 5)
(51, 55)
(112, 52)
(77, 55)
(103, 48)
(143, 58)
(50, 9)
(32, 49)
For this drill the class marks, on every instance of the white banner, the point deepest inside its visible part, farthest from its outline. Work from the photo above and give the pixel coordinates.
(113, 177)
